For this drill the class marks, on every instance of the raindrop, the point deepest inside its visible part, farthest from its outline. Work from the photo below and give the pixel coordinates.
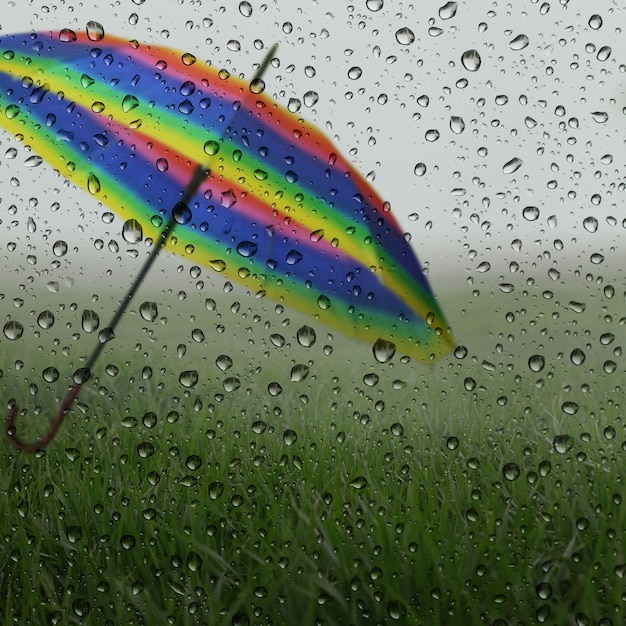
(600, 116)
(45, 319)
(471, 60)
(129, 103)
(457, 125)
(384, 350)
(595, 21)
(233, 45)
(224, 362)
(306, 336)
(371, 379)
(512, 166)
(561, 444)
(299, 373)
(519, 43)
(132, 231)
(211, 147)
(452, 443)
(33, 161)
(90, 321)
(188, 378)
(59, 248)
(536, 362)
(232, 384)
(530, 213)
(245, 8)
(448, 10)
(310, 98)
(277, 340)
(604, 53)
(50, 374)
(570, 407)
(247, 248)
(95, 31)
(511, 471)
(420, 169)
(360, 482)
(93, 184)
(355, 73)
(216, 489)
(374, 5)
(290, 437)
(577, 357)
(181, 213)
(590, 224)
(149, 311)
(405, 36)
(67, 35)
(13, 330)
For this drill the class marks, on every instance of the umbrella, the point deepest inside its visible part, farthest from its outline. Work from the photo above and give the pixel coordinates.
(210, 167)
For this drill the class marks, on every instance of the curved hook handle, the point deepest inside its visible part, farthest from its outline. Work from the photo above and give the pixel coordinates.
(43, 441)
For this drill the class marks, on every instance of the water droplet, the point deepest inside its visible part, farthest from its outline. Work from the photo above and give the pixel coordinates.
(188, 59)
(420, 169)
(290, 437)
(448, 10)
(90, 321)
(216, 489)
(452, 443)
(149, 311)
(95, 31)
(519, 43)
(354, 73)
(67, 35)
(360, 482)
(595, 21)
(129, 103)
(224, 362)
(561, 444)
(132, 231)
(145, 449)
(471, 60)
(310, 98)
(530, 213)
(590, 224)
(457, 125)
(323, 302)
(512, 166)
(577, 356)
(232, 384)
(405, 36)
(93, 184)
(277, 340)
(536, 362)
(50, 374)
(188, 378)
(299, 373)
(13, 330)
(245, 8)
(511, 471)
(600, 116)
(570, 407)
(259, 427)
(396, 609)
(306, 336)
(374, 5)
(182, 213)
(211, 147)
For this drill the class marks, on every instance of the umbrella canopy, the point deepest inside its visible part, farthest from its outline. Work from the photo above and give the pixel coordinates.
(280, 211)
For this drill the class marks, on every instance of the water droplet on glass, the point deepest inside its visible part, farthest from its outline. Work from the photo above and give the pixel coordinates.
(90, 321)
(67, 35)
(562, 444)
(299, 373)
(59, 248)
(306, 336)
(211, 147)
(590, 224)
(232, 384)
(188, 378)
(95, 31)
(512, 166)
(536, 362)
(216, 489)
(577, 356)
(149, 311)
(129, 103)
(374, 5)
(45, 319)
(457, 125)
(452, 443)
(13, 330)
(600, 116)
(595, 21)
(471, 60)
(182, 213)
(519, 43)
(224, 362)
(247, 248)
(355, 73)
(371, 379)
(511, 471)
(245, 8)
(50, 374)
(530, 213)
(93, 184)
(290, 437)
(405, 36)
(310, 98)
(420, 169)
(360, 482)
(132, 231)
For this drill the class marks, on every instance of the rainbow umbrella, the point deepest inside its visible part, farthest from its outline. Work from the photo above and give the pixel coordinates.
(210, 167)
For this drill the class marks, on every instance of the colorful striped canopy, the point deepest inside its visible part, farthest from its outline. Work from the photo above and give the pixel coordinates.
(281, 211)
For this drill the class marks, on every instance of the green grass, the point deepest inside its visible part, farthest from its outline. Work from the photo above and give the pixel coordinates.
(429, 504)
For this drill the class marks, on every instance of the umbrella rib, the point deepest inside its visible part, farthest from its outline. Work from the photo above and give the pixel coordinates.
(200, 173)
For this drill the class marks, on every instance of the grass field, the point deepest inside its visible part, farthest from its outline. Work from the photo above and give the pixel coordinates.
(475, 491)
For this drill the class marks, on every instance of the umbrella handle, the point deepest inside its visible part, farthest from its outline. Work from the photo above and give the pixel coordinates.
(55, 424)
